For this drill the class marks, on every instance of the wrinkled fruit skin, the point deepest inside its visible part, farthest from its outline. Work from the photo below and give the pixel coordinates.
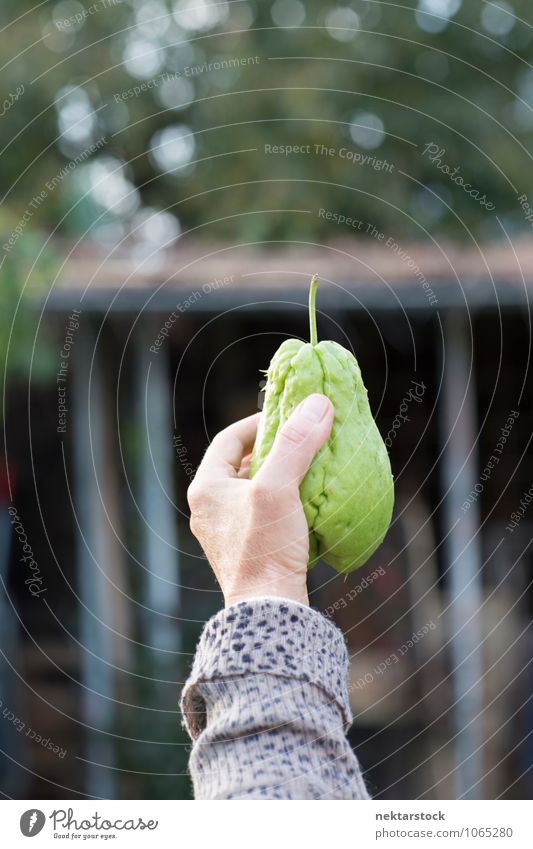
(348, 492)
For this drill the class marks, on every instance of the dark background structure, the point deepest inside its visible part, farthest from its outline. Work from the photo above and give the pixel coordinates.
(172, 175)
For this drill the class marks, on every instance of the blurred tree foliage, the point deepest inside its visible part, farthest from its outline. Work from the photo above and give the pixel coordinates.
(453, 73)
(27, 347)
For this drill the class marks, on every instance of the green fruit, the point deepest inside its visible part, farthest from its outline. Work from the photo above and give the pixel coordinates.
(348, 492)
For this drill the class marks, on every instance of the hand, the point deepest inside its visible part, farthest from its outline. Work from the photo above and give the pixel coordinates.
(254, 532)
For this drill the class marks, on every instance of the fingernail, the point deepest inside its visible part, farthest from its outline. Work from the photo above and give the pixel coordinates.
(314, 408)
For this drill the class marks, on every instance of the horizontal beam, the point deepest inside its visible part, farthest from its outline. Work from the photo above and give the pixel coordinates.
(475, 294)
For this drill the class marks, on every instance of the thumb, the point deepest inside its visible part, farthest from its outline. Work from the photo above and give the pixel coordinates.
(297, 442)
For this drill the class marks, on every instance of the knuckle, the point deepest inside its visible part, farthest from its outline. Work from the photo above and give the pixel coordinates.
(194, 525)
(218, 440)
(195, 495)
(260, 491)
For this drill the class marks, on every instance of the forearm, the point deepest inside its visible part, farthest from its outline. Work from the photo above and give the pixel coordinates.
(267, 707)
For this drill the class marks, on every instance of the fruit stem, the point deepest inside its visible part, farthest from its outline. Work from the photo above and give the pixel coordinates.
(312, 309)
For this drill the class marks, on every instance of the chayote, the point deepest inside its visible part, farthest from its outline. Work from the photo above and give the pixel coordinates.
(348, 492)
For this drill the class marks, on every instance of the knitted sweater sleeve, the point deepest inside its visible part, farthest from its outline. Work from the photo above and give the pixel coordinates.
(267, 707)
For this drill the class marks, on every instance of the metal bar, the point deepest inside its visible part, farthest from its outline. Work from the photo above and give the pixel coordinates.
(153, 410)
(13, 780)
(96, 615)
(462, 552)
(482, 293)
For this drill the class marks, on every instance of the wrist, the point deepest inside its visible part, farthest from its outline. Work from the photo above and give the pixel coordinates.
(267, 589)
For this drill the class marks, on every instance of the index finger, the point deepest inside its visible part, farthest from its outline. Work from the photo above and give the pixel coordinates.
(226, 451)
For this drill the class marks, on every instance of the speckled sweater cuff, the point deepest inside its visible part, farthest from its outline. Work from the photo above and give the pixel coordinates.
(267, 635)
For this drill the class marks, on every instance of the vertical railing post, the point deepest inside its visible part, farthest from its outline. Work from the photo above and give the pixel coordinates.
(97, 564)
(153, 406)
(13, 779)
(462, 551)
